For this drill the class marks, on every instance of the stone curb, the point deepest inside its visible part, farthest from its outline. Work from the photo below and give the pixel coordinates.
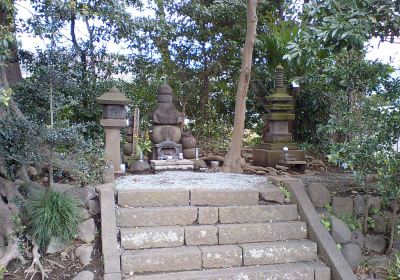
(327, 249)
(111, 259)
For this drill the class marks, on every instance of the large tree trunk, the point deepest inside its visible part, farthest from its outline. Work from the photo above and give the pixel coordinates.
(12, 69)
(232, 161)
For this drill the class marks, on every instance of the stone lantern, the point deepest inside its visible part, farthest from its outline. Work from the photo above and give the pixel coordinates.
(113, 119)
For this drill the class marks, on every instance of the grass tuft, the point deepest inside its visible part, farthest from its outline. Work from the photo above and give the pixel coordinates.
(52, 215)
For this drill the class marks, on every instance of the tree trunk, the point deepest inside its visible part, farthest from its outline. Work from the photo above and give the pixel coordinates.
(232, 161)
(162, 41)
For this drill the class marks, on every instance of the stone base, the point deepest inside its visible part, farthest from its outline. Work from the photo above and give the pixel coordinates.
(263, 157)
(278, 138)
(277, 146)
(159, 165)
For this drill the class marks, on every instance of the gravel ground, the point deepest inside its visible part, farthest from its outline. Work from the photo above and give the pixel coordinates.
(189, 180)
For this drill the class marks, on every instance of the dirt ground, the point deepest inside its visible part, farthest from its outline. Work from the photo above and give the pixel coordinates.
(60, 266)
(335, 180)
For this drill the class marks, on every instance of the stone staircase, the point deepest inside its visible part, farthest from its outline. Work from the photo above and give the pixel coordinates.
(218, 234)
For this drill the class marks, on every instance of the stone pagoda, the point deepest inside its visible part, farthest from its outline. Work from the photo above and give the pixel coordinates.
(278, 146)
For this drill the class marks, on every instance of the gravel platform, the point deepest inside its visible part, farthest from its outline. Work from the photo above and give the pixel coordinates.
(190, 180)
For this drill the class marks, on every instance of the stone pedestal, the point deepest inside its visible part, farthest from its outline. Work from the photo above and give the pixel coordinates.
(113, 150)
(163, 165)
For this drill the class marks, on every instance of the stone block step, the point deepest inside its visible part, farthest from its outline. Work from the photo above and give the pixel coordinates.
(295, 271)
(223, 234)
(197, 197)
(161, 260)
(272, 194)
(224, 197)
(152, 237)
(261, 232)
(157, 216)
(279, 252)
(220, 256)
(258, 213)
(153, 198)
(169, 216)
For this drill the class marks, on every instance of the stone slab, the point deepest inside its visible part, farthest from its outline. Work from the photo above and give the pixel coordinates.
(261, 232)
(153, 198)
(226, 197)
(159, 165)
(342, 205)
(118, 123)
(201, 235)
(269, 158)
(208, 215)
(157, 216)
(109, 231)
(327, 248)
(268, 272)
(278, 146)
(257, 214)
(222, 256)
(161, 260)
(272, 194)
(279, 252)
(112, 276)
(152, 237)
(322, 272)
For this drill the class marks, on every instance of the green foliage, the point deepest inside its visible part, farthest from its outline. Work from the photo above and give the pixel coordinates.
(326, 222)
(394, 268)
(52, 215)
(195, 46)
(5, 96)
(328, 207)
(371, 223)
(144, 146)
(287, 193)
(350, 220)
(24, 142)
(388, 175)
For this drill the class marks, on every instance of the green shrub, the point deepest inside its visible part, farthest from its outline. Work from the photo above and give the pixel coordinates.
(394, 268)
(52, 215)
(350, 220)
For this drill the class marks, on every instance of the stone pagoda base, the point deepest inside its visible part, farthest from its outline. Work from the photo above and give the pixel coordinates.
(162, 165)
(270, 158)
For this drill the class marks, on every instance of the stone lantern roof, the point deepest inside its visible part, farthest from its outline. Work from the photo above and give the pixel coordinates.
(113, 97)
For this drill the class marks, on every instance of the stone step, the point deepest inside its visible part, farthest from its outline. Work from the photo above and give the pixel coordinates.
(221, 256)
(168, 216)
(224, 197)
(152, 237)
(153, 198)
(161, 260)
(279, 252)
(294, 271)
(176, 236)
(261, 232)
(157, 216)
(197, 197)
(257, 214)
